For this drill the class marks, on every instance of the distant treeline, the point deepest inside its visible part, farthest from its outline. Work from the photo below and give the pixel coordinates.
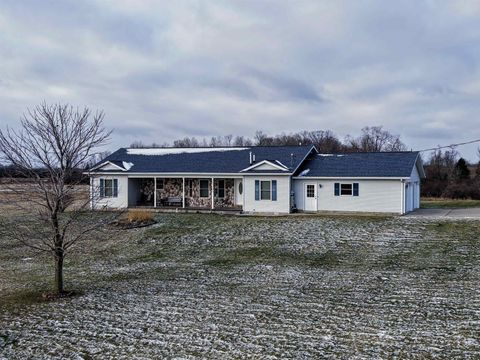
(76, 177)
(451, 177)
(12, 172)
(373, 138)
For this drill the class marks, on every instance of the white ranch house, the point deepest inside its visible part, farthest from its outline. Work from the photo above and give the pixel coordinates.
(257, 179)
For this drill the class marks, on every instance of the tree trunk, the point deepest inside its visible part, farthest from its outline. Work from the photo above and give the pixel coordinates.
(58, 252)
(59, 271)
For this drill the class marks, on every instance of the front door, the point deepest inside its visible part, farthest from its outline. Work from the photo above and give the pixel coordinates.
(238, 192)
(310, 197)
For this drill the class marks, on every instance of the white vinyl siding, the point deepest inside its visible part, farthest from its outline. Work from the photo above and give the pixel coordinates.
(382, 196)
(109, 166)
(118, 202)
(266, 166)
(412, 191)
(281, 205)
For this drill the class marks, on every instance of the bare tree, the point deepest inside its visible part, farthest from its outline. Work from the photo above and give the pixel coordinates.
(375, 139)
(216, 141)
(262, 139)
(228, 140)
(186, 142)
(239, 141)
(52, 143)
(137, 144)
(325, 141)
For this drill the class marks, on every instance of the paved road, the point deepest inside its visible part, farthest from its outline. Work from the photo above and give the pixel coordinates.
(467, 213)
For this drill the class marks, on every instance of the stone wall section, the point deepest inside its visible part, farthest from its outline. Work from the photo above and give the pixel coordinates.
(172, 187)
(192, 194)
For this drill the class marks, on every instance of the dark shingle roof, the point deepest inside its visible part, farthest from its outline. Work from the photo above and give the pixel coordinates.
(380, 164)
(206, 160)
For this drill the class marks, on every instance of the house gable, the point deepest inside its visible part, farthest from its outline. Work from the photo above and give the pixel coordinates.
(112, 166)
(266, 165)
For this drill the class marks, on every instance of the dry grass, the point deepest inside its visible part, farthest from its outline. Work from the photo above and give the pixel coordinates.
(139, 216)
(442, 203)
(18, 196)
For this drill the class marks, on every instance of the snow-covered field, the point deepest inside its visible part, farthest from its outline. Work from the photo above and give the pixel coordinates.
(211, 286)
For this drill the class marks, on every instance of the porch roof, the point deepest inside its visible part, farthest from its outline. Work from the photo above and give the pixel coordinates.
(204, 160)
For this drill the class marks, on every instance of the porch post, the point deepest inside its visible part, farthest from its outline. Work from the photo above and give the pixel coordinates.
(155, 192)
(183, 192)
(213, 194)
(92, 194)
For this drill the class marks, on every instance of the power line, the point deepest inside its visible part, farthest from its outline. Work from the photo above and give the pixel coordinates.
(451, 146)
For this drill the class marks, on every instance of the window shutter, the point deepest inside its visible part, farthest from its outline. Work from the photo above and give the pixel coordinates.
(257, 190)
(337, 189)
(355, 189)
(115, 187)
(274, 190)
(102, 188)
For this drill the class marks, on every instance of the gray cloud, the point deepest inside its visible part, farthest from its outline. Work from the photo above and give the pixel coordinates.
(163, 70)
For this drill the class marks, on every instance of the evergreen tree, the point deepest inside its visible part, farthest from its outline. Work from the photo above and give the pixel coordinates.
(462, 172)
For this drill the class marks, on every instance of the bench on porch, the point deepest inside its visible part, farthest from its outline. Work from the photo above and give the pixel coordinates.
(172, 201)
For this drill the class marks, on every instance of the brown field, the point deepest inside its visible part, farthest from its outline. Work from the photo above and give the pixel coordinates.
(19, 195)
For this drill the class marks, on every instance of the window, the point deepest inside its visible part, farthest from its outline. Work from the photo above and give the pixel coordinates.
(240, 188)
(349, 189)
(346, 189)
(221, 189)
(160, 184)
(204, 188)
(310, 191)
(190, 188)
(265, 190)
(108, 188)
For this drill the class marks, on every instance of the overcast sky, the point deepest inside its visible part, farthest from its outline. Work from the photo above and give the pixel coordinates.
(168, 69)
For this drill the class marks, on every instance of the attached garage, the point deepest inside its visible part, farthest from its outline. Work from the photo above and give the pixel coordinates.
(359, 182)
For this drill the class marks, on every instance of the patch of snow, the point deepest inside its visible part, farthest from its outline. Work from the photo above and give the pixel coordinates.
(304, 172)
(127, 165)
(325, 155)
(280, 163)
(171, 151)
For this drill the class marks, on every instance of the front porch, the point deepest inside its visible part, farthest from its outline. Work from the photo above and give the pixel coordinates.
(175, 193)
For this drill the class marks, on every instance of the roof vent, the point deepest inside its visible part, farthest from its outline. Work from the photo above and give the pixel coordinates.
(291, 159)
(253, 157)
(251, 160)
